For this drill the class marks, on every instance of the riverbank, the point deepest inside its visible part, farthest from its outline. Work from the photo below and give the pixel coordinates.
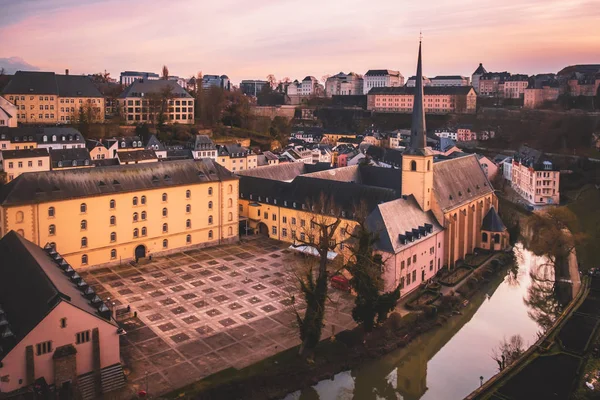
(551, 364)
(285, 372)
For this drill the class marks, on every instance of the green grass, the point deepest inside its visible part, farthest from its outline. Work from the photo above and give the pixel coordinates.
(587, 210)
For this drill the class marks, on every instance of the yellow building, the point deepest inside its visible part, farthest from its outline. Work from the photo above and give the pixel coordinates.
(17, 162)
(236, 158)
(111, 214)
(48, 98)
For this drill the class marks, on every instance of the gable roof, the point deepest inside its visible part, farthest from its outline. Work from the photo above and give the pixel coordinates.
(397, 217)
(381, 72)
(31, 286)
(25, 153)
(480, 70)
(458, 181)
(41, 187)
(70, 158)
(492, 222)
(155, 144)
(49, 83)
(142, 87)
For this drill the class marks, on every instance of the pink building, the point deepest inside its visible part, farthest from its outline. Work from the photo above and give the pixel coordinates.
(534, 98)
(410, 241)
(342, 160)
(535, 178)
(465, 134)
(54, 330)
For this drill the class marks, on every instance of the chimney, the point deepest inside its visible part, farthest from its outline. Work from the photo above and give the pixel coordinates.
(67, 71)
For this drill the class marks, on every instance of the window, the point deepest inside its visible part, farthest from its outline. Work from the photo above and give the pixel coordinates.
(143, 199)
(229, 189)
(84, 242)
(414, 276)
(414, 258)
(188, 239)
(165, 228)
(188, 194)
(408, 262)
(52, 230)
(83, 208)
(113, 204)
(293, 221)
(274, 230)
(144, 231)
(143, 215)
(84, 259)
(428, 165)
(83, 225)
(284, 220)
(113, 237)
(136, 233)
(43, 348)
(10, 164)
(413, 165)
(164, 197)
(113, 254)
(188, 208)
(188, 223)
(135, 217)
(165, 212)
(210, 234)
(210, 219)
(229, 202)
(284, 232)
(230, 231)
(302, 222)
(210, 205)
(63, 323)
(274, 217)
(135, 201)
(165, 244)
(484, 237)
(82, 337)
(431, 265)
(30, 163)
(210, 191)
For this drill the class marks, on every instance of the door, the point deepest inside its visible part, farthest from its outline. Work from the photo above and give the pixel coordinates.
(140, 251)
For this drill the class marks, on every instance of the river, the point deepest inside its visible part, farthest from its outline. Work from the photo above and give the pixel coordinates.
(448, 362)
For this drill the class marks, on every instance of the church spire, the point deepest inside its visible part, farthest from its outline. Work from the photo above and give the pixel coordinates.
(418, 131)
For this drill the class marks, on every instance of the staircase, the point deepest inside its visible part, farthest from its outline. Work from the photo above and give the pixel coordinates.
(87, 386)
(112, 378)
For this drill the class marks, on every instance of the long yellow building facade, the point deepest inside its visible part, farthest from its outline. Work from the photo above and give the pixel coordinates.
(112, 214)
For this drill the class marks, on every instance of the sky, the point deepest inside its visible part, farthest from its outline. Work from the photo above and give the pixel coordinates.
(249, 39)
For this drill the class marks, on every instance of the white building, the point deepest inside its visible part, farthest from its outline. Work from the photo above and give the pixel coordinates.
(204, 147)
(128, 77)
(449, 80)
(344, 85)
(507, 169)
(381, 78)
(309, 86)
(446, 133)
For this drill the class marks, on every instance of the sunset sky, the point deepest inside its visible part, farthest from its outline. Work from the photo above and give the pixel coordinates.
(248, 39)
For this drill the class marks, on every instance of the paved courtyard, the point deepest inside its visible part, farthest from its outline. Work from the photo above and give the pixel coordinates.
(205, 310)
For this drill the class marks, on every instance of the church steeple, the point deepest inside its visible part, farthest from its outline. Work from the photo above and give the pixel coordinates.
(418, 130)
(417, 159)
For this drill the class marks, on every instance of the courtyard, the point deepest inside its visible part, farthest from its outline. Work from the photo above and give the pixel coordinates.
(205, 310)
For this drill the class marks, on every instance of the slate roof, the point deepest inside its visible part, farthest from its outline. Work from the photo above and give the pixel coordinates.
(155, 144)
(35, 133)
(70, 158)
(397, 217)
(367, 175)
(136, 156)
(532, 158)
(203, 142)
(283, 172)
(458, 181)
(346, 196)
(391, 157)
(427, 90)
(25, 153)
(105, 162)
(49, 83)
(381, 72)
(144, 86)
(179, 154)
(492, 222)
(233, 150)
(41, 187)
(448, 77)
(31, 286)
(480, 70)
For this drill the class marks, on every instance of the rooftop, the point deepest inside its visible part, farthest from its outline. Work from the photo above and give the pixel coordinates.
(427, 90)
(143, 87)
(49, 83)
(25, 153)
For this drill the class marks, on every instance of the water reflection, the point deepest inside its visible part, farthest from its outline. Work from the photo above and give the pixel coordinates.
(447, 363)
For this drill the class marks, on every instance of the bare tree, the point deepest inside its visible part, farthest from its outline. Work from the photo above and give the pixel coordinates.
(165, 72)
(272, 81)
(314, 288)
(508, 351)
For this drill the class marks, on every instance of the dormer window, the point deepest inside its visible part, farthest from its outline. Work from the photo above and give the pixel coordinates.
(122, 144)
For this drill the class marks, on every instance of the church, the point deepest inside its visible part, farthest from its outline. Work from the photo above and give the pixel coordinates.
(427, 214)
